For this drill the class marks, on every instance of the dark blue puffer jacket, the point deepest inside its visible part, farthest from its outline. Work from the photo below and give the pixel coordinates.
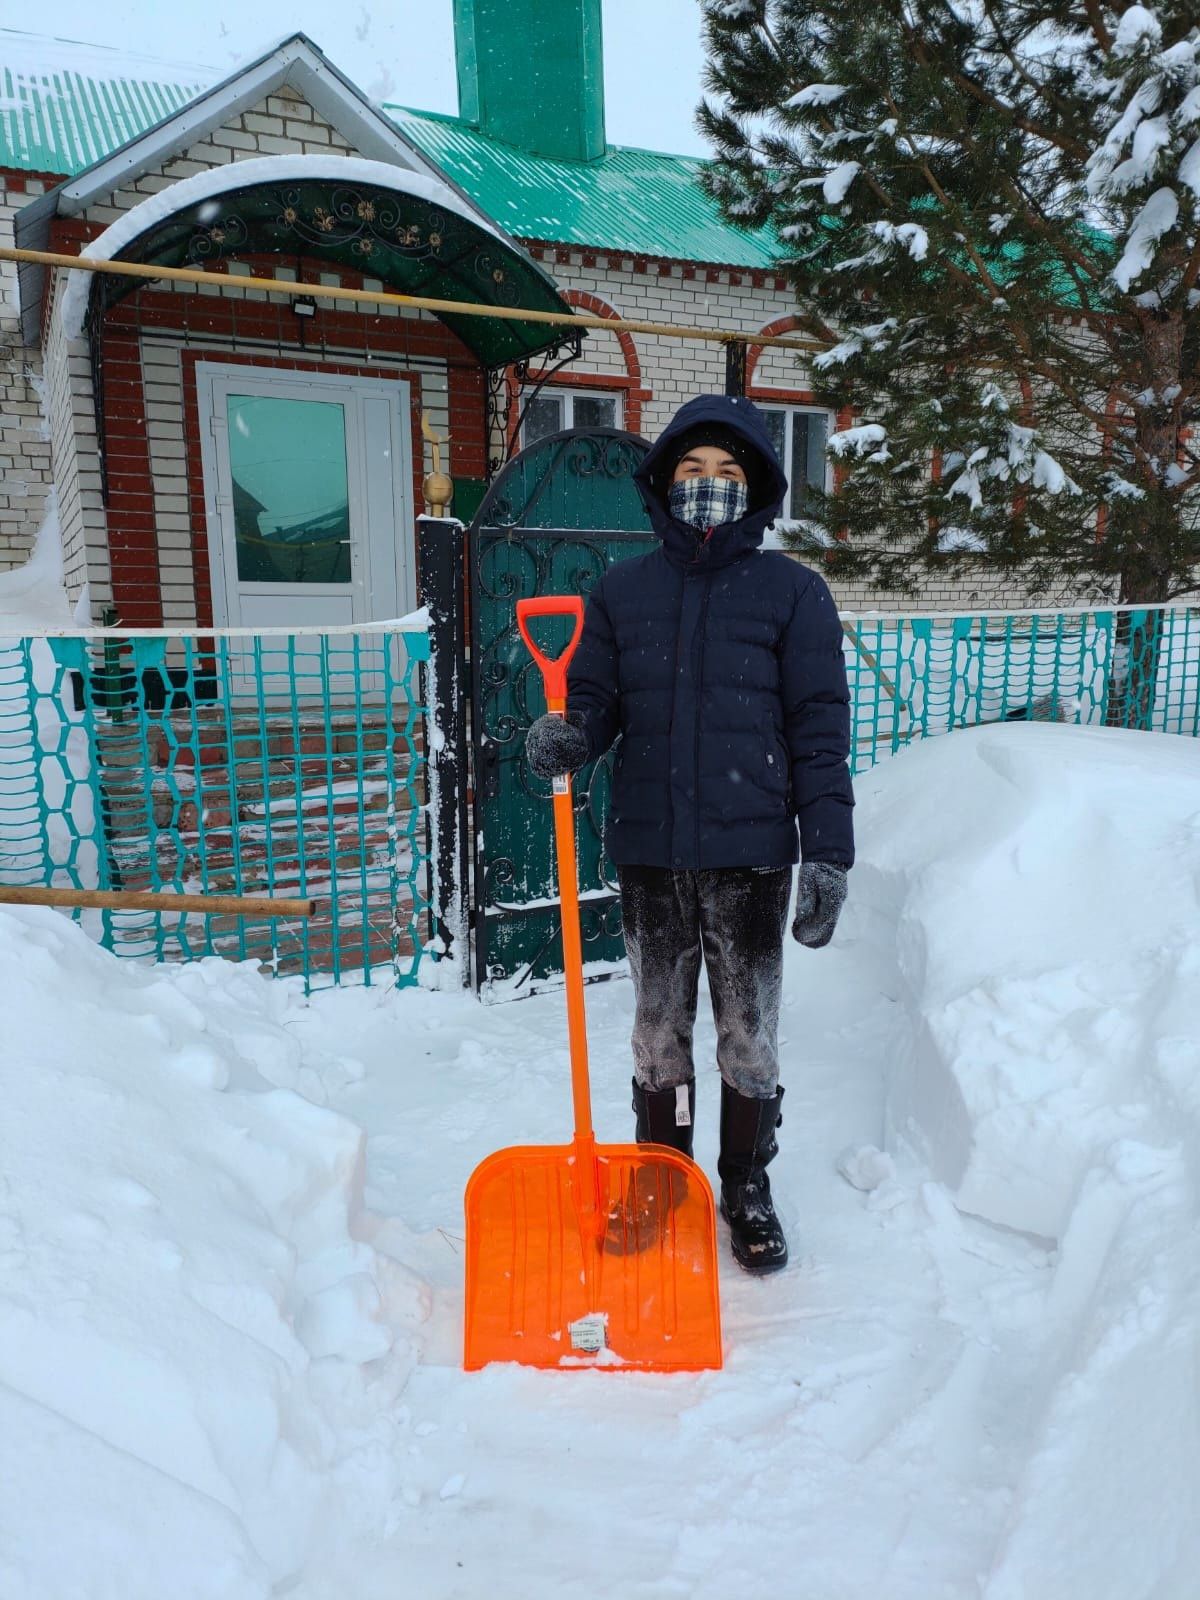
(720, 665)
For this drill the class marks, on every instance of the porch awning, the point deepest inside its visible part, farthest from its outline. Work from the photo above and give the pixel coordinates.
(408, 231)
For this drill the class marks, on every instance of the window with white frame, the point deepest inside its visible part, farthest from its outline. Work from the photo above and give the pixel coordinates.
(552, 410)
(799, 437)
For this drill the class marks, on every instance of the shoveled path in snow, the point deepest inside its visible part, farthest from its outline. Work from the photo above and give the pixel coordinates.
(876, 1404)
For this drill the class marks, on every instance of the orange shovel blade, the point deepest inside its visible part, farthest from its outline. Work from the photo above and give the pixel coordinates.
(630, 1286)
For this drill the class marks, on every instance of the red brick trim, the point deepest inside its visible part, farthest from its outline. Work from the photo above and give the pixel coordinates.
(652, 266)
(17, 180)
(132, 541)
(753, 351)
(783, 397)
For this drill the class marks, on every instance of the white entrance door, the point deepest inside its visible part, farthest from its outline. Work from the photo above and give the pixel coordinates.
(308, 488)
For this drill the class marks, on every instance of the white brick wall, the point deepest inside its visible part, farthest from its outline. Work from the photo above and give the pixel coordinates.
(72, 422)
(276, 127)
(25, 459)
(674, 369)
(163, 382)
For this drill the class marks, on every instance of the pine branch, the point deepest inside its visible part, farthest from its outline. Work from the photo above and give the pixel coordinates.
(1041, 90)
(976, 90)
(1039, 223)
(1103, 38)
(942, 197)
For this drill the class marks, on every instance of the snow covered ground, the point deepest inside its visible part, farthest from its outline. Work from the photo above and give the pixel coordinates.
(231, 1236)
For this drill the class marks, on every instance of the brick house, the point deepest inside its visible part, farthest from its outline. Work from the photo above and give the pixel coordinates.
(136, 406)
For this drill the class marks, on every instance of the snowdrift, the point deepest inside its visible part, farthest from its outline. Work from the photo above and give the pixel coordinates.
(231, 1271)
(1043, 887)
(1038, 888)
(187, 1321)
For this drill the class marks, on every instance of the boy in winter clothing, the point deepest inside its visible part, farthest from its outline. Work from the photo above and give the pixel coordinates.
(720, 666)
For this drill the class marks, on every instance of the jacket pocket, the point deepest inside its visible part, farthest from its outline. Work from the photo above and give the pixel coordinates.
(774, 762)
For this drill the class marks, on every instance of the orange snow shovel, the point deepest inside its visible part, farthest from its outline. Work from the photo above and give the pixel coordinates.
(559, 1271)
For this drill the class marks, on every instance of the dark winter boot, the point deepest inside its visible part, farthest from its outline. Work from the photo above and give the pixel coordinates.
(747, 1145)
(636, 1221)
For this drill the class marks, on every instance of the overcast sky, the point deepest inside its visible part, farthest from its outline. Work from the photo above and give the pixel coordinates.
(400, 50)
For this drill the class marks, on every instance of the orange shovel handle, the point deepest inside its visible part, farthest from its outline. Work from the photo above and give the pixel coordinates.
(553, 668)
(554, 676)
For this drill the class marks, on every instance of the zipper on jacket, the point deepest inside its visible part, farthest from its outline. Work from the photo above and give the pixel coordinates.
(675, 697)
(703, 632)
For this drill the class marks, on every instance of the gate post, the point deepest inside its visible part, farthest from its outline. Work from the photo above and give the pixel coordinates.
(441, 588)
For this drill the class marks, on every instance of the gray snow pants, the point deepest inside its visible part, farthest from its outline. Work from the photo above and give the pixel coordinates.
(735, 917)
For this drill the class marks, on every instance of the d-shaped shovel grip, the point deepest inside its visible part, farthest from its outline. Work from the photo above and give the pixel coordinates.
(553, 669)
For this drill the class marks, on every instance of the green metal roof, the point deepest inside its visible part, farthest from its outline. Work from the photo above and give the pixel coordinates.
(640, 202)
(64, 106)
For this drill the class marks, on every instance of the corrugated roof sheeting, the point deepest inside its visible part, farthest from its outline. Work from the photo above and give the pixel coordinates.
(63, 108)
(62, 121)
(640, 202)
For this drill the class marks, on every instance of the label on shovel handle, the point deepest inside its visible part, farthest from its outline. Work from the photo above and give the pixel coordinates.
(590, 1333)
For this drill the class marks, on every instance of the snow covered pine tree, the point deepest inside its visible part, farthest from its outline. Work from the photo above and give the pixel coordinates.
(991, 217)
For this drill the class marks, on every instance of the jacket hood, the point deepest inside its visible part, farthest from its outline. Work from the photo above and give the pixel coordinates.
(743, 418)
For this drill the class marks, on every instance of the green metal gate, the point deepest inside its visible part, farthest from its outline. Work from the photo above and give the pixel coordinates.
(551, 523)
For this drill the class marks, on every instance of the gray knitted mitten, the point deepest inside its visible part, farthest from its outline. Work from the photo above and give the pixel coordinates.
(555, 745)
(820, 895)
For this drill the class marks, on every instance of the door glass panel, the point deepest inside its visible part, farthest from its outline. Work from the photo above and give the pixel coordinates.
(544, 417)
(595, 411)
(291, 496)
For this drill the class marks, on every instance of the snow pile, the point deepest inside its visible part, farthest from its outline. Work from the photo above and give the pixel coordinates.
(1039, 887)
(198, 1350)
(32, 596)
(1047, 943)
(230, 1359)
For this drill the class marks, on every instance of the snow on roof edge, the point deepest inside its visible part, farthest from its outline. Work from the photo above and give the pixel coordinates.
(158, 207)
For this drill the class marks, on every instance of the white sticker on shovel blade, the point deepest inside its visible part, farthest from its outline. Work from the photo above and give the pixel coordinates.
(589, 1333)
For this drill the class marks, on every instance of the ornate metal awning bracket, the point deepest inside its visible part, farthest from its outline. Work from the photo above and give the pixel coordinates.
(552, 362)
(498, 395)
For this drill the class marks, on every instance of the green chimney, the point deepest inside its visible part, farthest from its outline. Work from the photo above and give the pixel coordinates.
(531, 73)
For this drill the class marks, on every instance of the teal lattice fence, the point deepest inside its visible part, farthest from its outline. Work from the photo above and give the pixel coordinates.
(284, 763)
(275, 763)
(911, 677)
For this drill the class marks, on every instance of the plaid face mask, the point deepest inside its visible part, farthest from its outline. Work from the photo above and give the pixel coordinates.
(705, 503)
